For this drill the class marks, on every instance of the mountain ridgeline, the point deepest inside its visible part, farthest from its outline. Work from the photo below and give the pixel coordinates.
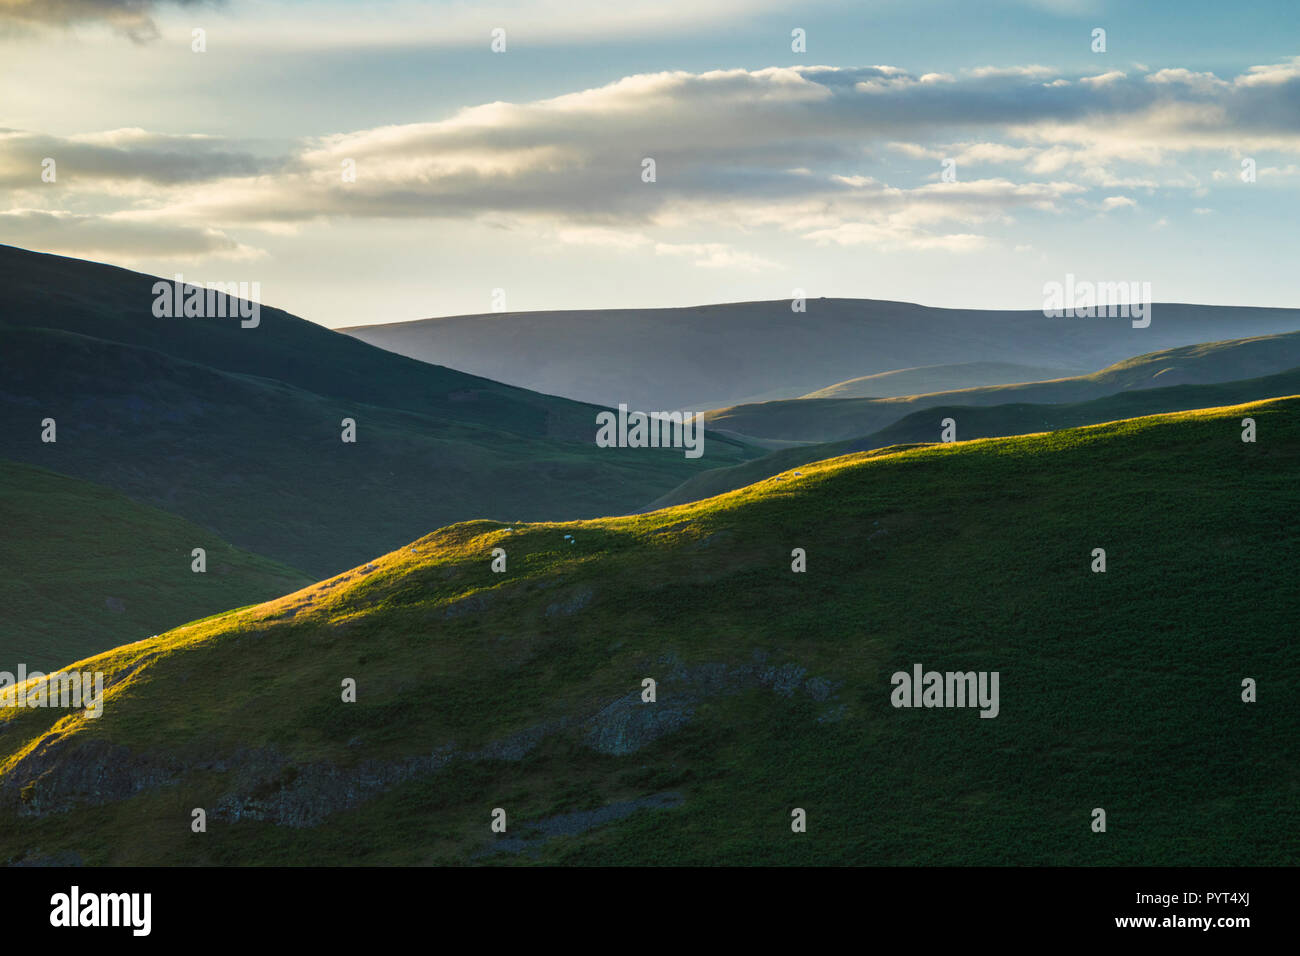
(833, 419)
(995, 412)
(241, 430)
(746, 352)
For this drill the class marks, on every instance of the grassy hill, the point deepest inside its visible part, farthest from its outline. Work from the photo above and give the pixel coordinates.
(718, 356)
(978, 422)
(834, 419)
(941, 378)
(239, 429)
(1020, 418)
(87, 568)
(522, 690)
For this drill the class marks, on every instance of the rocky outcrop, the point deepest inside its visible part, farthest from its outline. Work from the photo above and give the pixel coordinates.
(65, 770)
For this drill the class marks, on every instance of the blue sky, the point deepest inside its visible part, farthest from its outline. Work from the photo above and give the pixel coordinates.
(775, 170)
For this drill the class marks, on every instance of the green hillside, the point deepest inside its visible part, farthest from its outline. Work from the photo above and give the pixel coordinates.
(836, 419)
(976, 422)
(87, 568)
(940, 378)
(1020, 419)
(521, 690)
(239, 429)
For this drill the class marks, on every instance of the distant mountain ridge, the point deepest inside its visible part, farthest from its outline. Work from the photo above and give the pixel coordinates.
(832, 419)
(715, 356)
(1001, 419)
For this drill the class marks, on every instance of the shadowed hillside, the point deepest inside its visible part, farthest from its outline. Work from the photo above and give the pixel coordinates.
(239, 430)
(87, 569)
(522, 690)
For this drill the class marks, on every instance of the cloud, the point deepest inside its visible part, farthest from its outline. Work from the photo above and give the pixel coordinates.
(1103, 79)
(117, 158)
(708, 255)
(715, 255)
(133, 18)
(121, 236)
(1033, 71)
(791, 148)
(292, 25)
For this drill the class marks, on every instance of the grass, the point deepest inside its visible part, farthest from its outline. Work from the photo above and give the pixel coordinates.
(841, 418)
(941, 378)
(1118, 690)
(975, 421)
(89, 569)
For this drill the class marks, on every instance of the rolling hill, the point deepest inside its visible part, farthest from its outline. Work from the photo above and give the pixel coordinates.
(972, 422)
(718, 356)
(941, 378)
(240, 430)
(1020, 419)
(833, 419)
(522, 691)
(87, 569)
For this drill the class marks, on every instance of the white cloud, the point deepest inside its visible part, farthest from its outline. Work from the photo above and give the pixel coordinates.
(123, 237)
(715, 255)
(782, 147)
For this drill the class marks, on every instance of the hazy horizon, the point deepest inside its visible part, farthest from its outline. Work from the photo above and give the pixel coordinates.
(783, 160)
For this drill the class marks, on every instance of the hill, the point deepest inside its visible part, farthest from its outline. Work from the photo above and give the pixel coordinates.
(240, 430)
(824, 420)
(984, 422)
(88, 569)
(1020, 419)
(941, 378)
(522, 690)
(718, 356)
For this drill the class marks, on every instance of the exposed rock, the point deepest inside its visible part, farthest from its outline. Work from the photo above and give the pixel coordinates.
(303, 796)
(64, 770)
(466, 605)
(61, 858)
(628, 724)
(572, 604)
(536, 832)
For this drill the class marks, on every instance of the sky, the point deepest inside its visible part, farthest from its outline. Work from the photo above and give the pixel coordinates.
(948, 153)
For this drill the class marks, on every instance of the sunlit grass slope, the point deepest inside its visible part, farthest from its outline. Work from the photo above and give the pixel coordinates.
(940, 378)
(520, 690)
(836, 417)
(975, 421)
(86, 568)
